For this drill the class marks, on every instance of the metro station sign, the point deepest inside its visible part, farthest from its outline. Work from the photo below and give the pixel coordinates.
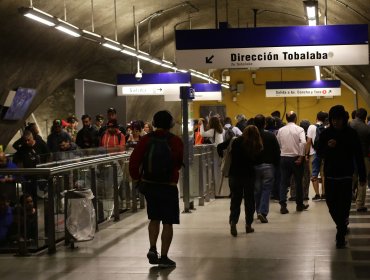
(288, 46)
(323, 88)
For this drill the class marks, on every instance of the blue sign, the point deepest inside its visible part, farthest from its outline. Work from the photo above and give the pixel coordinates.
(303, 88)
(154, 78)
(273, 46)
(20, 104)
(206, 92)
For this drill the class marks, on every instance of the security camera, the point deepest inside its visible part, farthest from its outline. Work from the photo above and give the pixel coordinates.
(139, 75)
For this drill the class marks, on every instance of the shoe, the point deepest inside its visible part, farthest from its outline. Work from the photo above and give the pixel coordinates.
(249, 229)
(341, 244)
(233, 230)
(302, 207)
(262, 218)
(284, 210)
(362, 209)
(317, 197)
(291, 199)
(165, 262)
(306, 198)
(323, 197)
(153, 256)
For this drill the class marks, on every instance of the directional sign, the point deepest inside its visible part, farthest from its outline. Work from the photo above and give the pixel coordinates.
(303, 88)
(160, 84)
(206, 92)
(273, 46)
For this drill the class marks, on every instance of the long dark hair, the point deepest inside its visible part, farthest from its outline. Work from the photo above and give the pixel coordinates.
(252, 141)
(215, 123)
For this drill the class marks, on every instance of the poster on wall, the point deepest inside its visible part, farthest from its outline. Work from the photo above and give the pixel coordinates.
(20, 104)
(206, 112)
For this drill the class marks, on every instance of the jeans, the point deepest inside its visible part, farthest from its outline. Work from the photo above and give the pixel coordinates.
(262, 186)
(242, 187)
(287, 168)
(316, 165)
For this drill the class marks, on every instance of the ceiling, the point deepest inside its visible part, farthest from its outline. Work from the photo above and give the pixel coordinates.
(37, 56)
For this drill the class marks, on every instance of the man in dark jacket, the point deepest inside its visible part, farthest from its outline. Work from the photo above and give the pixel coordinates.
(87, 136)
(339, 146)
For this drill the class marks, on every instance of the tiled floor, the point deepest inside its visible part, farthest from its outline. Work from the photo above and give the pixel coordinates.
(293, 246)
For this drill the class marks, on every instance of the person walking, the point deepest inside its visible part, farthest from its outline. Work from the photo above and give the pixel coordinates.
(292, 140)
(244, 152)
(160, 154)
(340, 147)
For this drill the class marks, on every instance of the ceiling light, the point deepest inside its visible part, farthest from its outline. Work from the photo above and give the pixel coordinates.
(91, 36)
(68, 28)
(317, 73)
(38, 15)
(311, 10)
(113, 45)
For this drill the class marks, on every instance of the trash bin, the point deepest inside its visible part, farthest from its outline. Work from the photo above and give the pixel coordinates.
(80, 220)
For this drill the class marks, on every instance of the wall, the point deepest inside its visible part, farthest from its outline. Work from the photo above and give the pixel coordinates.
(252, 101)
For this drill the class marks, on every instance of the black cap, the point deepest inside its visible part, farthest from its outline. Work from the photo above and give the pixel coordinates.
(111, 110)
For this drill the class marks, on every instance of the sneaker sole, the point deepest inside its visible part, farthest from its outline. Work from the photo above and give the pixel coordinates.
(262, 219)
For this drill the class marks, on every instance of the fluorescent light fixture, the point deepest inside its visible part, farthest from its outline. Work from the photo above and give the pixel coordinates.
(155, 61)
(317, 73)
(143, 57)
(91, 36)
(113, 45)
(183, 70)
(38, 16)
(225, 85)
(311, 10)
(129, 52)
(68, 28)
(167, 65)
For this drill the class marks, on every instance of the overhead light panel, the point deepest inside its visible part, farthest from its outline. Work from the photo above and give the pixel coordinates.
(91, 36)
(113, 45)
(312, 12)
(38, 16)
(317, 73)
(68, 28)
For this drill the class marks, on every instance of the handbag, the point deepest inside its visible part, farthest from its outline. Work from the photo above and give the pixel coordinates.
(198, 139)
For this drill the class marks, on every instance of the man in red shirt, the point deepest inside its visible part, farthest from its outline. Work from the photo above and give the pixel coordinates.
(157, 151)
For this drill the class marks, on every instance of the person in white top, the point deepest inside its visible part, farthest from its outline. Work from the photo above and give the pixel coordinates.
(292, 141)
(228, 124)
(214, 132)
(315, 164)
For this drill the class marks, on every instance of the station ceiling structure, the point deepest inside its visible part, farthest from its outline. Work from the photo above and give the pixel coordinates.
(38, 56)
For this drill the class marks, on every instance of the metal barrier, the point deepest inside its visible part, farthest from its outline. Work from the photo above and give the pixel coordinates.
(108, 177)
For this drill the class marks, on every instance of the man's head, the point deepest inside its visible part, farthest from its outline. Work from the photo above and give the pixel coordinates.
(112, 126)
(111, 114)
(361, 113)
(57, 125)
(322, 116)
(240, 117)
(27, 202)
(28, 138)
(64, 145)
(291, 116)
(338, 117)
(163, 119)
(227, 120)
(259, 121)
(275, 114)
(86, 120)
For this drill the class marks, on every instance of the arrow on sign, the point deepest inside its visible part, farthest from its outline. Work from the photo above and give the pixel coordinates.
(209, 59)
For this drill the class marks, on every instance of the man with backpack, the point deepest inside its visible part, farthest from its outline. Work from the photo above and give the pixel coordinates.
(230, 130)
(315, 162)
(154, 166)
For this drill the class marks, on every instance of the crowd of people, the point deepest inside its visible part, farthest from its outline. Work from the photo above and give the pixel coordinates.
(267, 159)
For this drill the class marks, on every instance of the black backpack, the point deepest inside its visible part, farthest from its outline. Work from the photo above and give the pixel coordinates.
(319, 128)
(229, 133)
(158, 163)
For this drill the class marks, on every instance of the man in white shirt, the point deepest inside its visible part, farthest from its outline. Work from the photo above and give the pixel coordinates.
(292, 141)
(228, 125)
(315, 161)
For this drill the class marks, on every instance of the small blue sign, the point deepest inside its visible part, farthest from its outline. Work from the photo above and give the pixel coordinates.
(154, 78)
(303, 84)
(206, 87)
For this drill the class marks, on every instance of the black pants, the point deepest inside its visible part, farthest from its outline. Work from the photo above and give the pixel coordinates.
(338, 198)
(242, 187)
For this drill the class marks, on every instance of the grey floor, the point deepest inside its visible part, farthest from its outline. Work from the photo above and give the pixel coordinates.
(293, 246)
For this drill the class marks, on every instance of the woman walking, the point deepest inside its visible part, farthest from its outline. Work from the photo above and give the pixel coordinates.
(241, 177)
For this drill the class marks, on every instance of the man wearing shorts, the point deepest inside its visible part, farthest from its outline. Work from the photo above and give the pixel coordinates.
(161, 194)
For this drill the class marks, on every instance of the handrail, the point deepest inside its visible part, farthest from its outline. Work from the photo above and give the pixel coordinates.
(62, 168)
